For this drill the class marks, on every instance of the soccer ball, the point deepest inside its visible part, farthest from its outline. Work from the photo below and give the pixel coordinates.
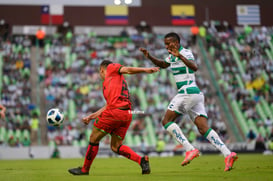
(54, 117)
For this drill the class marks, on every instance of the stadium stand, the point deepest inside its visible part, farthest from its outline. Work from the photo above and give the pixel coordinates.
(244, 64)
(16, 90)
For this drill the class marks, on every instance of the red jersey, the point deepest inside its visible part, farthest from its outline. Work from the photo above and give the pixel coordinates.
(115, 89)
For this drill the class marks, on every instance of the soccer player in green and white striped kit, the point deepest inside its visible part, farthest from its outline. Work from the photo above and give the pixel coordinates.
(189, 100)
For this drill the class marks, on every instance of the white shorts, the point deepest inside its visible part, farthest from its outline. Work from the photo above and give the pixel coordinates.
(191, 104)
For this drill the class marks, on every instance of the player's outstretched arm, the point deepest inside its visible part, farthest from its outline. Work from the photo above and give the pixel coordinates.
(136, 70)
(156, 61)
(94, 115)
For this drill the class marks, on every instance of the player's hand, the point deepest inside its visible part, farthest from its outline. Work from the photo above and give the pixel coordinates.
(173, 50)
(144, 51)
(152, 70)
(87, 119)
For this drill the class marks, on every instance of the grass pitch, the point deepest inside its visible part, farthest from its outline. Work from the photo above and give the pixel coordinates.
(205, 168)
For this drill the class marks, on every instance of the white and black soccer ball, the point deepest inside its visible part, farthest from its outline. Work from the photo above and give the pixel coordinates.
(54, 117)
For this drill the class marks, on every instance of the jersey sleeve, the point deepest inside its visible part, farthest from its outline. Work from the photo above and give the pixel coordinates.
(113, 68)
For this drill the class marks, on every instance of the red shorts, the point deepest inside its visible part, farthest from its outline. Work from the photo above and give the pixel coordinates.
(114, 121)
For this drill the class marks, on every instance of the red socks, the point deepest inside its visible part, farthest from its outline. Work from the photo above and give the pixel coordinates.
(127, 152)
(91, 153)
(93, 149)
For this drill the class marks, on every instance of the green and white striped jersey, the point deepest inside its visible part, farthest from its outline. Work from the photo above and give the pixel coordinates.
(184, 76)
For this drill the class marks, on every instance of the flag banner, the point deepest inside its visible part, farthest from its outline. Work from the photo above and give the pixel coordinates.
(183, 15)
(116, 15)
(52, 14)
(45, 14)
(248, 14)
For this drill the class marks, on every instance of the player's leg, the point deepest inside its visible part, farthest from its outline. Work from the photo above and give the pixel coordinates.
(176, 132)
(117, 146)
(126, 151)
(177, 107)
(174, 129)
(93, 147)
(215, 140)
(211, 135)
(199, 115)
(91, 152)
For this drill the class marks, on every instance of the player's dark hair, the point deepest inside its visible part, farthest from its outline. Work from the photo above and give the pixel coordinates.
(105, 63)
(173, 35)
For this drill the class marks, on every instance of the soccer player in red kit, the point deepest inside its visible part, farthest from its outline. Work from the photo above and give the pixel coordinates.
(114, 118)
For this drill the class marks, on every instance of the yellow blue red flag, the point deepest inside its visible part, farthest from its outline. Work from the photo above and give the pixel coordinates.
(116, 15)
(183, 14)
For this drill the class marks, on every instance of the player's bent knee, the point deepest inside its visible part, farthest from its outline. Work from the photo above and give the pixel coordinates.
(202, 131)
(165, 121)
(94, 139)
(114, 148)
(170, 116)
(201, 123)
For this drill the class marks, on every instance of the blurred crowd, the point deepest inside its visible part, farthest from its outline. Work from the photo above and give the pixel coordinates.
(16, 91)
(245, 56)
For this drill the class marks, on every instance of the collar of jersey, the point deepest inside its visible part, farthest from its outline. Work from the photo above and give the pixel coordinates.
(180, 48)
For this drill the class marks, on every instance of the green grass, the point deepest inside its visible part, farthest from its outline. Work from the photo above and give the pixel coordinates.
(206, 167)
